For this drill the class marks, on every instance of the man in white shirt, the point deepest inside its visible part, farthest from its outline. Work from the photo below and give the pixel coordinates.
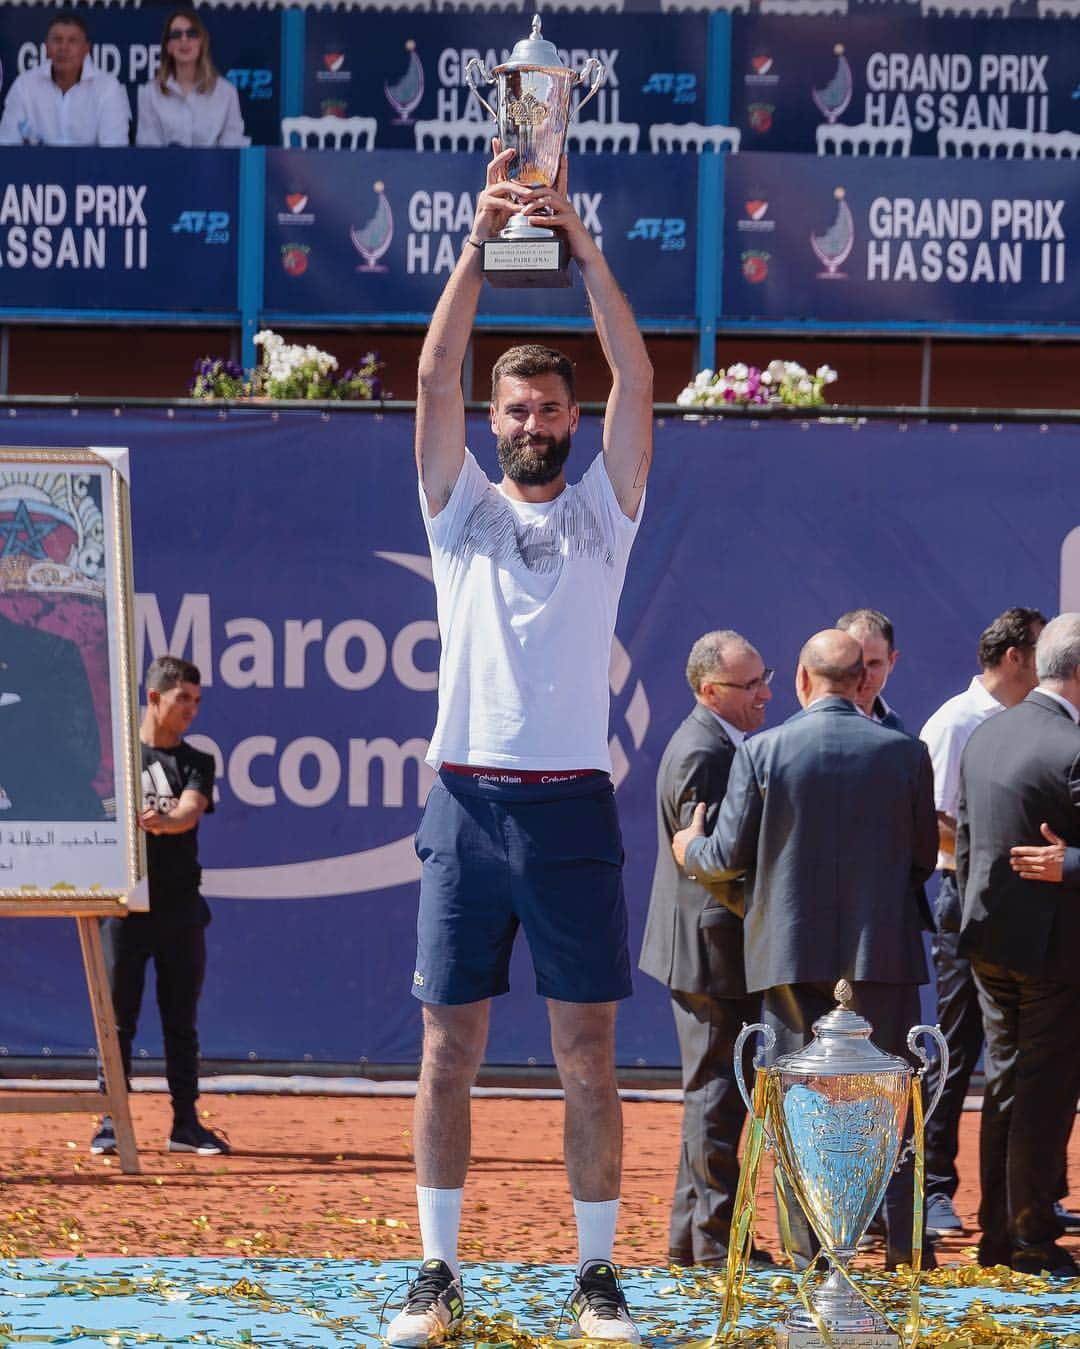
(66, 100)
(1007, 661)
(521, 828)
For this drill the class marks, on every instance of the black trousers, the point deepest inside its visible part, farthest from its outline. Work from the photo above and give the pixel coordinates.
(960, 1019)
(179, 956)
(892, 1009)
(713, 1115)
(1032, 1031)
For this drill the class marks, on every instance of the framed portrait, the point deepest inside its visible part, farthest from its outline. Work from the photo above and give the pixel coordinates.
(69, 776)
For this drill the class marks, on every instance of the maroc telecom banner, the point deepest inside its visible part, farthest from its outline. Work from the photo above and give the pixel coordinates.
(399, 68)
(899, 239)
(790, 76)
(285, 554)
(126, 41)
(381, 232)
(118, 229)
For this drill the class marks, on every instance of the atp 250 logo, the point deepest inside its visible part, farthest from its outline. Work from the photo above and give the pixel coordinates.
(256, 84)
(668, 231)
(213, 226)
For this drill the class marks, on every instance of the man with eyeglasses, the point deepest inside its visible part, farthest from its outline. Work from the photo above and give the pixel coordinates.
(830, 819)
(693, 942)
(66, 100)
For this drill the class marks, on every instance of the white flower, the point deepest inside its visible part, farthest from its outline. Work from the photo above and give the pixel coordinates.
(703, 379)
(826, 374)
(741, 388)
(738, 371)
(766, 378)
(687, 398)
(804, 386)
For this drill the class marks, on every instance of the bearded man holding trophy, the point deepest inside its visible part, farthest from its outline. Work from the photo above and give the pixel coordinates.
(521, 828)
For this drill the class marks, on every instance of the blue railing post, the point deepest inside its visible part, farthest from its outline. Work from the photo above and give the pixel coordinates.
(710, 253)
(718, 70)
(249, 258)
(292, 62)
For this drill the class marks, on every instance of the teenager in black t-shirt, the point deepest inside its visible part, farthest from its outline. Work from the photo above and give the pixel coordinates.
(178, 789)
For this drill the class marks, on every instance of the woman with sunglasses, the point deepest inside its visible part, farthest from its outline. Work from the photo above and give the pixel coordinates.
(189, 103)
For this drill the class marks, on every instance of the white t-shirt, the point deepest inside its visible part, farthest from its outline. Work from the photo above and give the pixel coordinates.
(174, 118)
(527, 597)
(94, 111)
(945, 735)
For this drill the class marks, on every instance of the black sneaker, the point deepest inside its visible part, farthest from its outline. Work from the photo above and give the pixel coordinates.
(434, 1306)
(104, 1141)
(599, 1305)
(191, 1136)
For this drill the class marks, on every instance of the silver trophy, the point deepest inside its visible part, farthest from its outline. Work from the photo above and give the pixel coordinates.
(839, 1109)
(533, 115)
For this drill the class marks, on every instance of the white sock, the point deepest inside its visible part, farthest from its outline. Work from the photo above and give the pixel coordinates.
(595, 1228)
(440, 1219)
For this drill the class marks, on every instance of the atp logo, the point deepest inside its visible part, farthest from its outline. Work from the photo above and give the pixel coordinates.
(669, 231)
(257, 84)
(679, 85)
(213, 226)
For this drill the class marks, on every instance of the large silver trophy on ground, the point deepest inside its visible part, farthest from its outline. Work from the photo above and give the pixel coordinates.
(533, 116)
(836, 1115)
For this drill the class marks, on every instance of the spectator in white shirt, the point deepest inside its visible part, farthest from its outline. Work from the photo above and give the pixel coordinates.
(66, 100)
(189, 103)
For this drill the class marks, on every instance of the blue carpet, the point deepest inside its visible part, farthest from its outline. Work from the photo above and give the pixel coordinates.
(237, 1304)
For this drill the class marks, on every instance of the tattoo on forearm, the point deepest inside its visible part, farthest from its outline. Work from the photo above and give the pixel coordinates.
(440, 351)
(643, 469)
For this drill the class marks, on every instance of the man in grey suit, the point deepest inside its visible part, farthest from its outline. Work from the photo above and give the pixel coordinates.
(1018, 870)
(831, 817)
(693, 942)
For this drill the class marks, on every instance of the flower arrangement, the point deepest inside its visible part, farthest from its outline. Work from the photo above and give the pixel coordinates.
(783, 382)
(287, 370)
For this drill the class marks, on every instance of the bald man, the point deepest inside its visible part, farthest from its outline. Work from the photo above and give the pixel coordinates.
(830, 817)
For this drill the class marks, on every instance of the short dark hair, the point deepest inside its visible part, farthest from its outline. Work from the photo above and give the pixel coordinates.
(167, 671)
(68, 16)
(1012, 628)
(871, 619)
(525, 361)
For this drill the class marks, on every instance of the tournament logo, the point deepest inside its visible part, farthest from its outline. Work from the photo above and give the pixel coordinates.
(760, 73)
(294, 258)
(332, 107)
(333, 69)
(761, 65)
(333, 61)
(755, 266)
(832, 248)
(372, 239)
(296, 212)
(760, 116)
(755, 219)
(407, 91)
(832, 101)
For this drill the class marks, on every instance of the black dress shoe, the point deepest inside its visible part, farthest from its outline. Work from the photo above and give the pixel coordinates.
(1070, 1221)
(1053, 1260)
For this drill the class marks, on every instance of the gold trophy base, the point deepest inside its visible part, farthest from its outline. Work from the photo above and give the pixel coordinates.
(520, 262)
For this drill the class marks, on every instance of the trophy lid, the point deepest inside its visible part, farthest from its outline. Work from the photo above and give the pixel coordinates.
(533, 50)
(841, 1045)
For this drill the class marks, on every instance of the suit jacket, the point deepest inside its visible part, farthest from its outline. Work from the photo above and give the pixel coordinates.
(693, 938)
(1019, 769)
(49, 743)
(831, 816)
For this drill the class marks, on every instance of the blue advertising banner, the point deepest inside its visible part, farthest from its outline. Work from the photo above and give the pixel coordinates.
(790, 76)
(399, 68)
(381, 232)
(125, 41)
(897, 239)
(284, 553)
(118, 229)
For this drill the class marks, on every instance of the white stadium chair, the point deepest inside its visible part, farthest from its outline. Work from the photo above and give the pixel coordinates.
(1052, 145)
(968, 9)
(709, 6)
(434, 134)
(863, 139)
(954, 143)
(812, 8)
(330, 133)
(593, 137)
(670, 137)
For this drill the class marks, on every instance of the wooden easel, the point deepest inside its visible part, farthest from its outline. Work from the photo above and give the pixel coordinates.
(114, 1102)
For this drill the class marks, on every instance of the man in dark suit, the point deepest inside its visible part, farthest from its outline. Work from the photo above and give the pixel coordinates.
(48, 728)
(693, 942)
(831, 817)
(874, 633)
(1019, 785)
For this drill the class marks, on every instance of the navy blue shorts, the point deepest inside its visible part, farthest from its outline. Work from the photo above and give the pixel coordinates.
(548, 858)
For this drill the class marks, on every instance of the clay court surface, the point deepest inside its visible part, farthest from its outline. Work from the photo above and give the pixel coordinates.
(315, 1176)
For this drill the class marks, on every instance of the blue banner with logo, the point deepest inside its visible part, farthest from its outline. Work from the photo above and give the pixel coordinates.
(118, 229)
(381, 232)
(400, 68)
(125, 41)
(284, 553)
(936, 241)
(790, 76)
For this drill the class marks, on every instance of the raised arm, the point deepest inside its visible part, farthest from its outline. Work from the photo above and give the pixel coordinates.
(440, 404)
(628, 420)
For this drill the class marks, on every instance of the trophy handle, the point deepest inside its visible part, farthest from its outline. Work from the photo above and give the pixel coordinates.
(768, 1036)
(475, 73)
(934, 1032)
(593, 73)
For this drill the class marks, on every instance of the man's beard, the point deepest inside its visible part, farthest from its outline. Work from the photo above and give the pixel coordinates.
(532, 465)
